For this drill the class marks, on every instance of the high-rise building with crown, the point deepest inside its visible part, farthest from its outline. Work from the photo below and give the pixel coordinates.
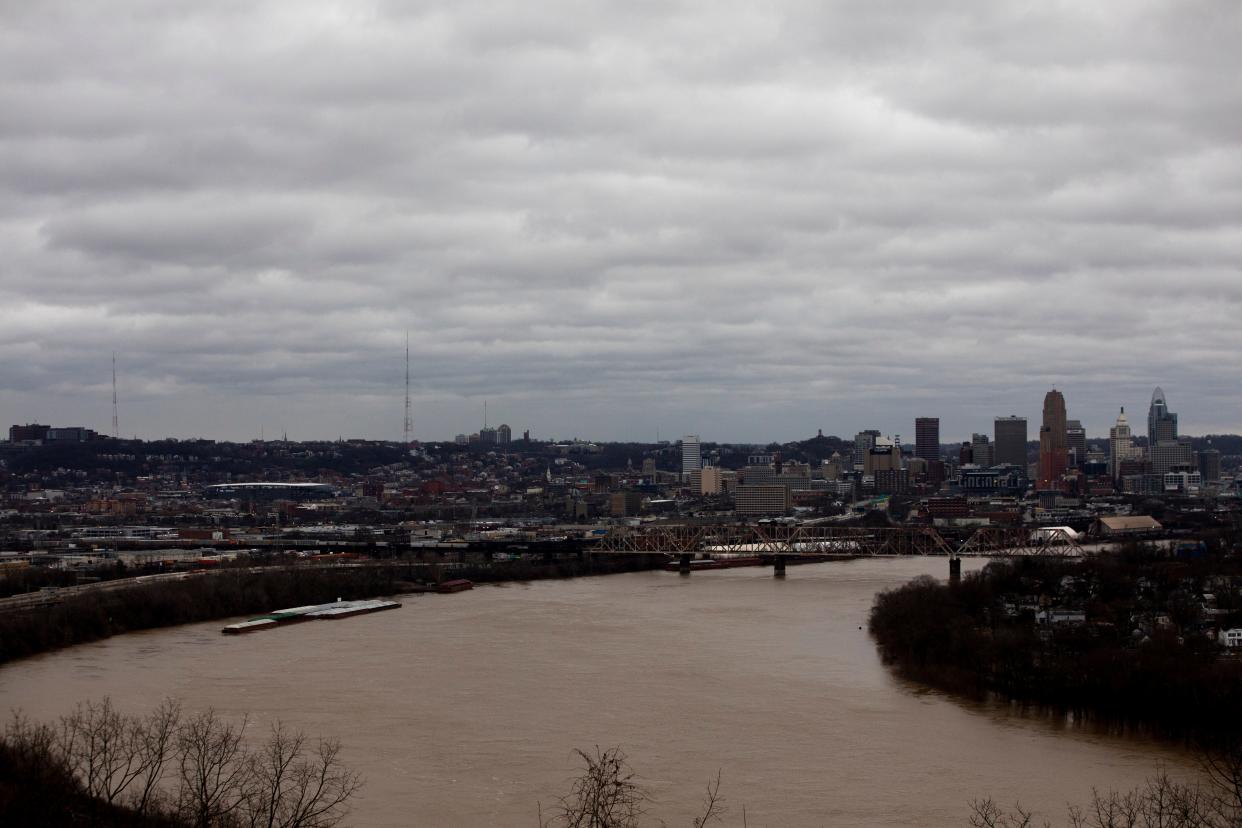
(1120, 444)
(1052, 450)
(1161, 423)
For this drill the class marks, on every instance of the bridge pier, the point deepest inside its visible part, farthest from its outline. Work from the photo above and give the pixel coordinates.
(778, 567)
(683, 565)
(955, 569)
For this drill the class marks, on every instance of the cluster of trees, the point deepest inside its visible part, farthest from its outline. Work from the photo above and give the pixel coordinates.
(957, 637)
(606, 794)
(101, 767)
(98, 614)
(1161, 802)
(126, 459)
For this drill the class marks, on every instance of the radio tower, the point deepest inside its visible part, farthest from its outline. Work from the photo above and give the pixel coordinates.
(409, 415)
(116, 430)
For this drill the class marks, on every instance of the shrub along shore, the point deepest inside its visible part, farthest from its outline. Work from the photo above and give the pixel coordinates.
(101, 613)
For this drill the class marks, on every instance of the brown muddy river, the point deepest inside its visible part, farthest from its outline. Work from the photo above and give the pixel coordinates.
(464, 709)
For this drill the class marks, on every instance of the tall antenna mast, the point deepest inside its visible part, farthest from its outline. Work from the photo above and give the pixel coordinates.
(409, 415)
(116, 430)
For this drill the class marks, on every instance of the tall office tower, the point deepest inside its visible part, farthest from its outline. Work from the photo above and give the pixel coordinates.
(504, 435)
(1209, 465)
(691, 458)
(1076, 442)
(1120, 444)
(864, 442)
(981, 451)
(927, 438)
(1052, 455)
(1010, 446)
(1161, 423)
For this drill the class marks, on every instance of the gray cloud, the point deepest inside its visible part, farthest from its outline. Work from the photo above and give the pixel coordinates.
(749, 221)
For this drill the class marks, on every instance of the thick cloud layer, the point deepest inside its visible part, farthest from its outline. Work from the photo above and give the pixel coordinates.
(610, 220)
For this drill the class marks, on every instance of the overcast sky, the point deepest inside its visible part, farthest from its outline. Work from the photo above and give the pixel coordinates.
(618, 220)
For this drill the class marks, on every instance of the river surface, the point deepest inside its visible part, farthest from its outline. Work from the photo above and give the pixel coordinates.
(465, 709)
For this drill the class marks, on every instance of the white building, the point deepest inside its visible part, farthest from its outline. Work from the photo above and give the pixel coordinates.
(1120, 444)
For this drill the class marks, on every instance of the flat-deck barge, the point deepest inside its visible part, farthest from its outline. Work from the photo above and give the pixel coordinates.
(313, 612)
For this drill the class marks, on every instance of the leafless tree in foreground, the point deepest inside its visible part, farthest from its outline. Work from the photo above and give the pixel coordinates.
(212, 771)
(1159, 803)
(296, 786)
(608, 795)
(112, 753)
(195, 770)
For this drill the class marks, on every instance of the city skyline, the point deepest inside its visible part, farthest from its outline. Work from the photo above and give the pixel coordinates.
(1009, 432)
(748, 223)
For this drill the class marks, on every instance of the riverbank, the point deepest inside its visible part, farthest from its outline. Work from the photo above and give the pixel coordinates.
(99, 614)
(1124, 643)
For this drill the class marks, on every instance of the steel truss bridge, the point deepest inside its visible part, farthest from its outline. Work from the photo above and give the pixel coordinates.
(838, 541)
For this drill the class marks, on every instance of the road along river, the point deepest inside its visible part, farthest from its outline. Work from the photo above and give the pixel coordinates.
(464, 709)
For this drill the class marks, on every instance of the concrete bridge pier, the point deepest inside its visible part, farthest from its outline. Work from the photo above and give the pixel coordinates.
(683, 565)
(778, 566)
(955, 569)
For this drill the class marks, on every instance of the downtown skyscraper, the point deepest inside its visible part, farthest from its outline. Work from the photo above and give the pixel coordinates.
(1161, 423)
(1009, 442)
(927, 438)
(691, 455)
(1052, 442)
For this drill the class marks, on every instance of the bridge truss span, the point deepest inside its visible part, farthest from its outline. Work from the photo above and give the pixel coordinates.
(839, 541)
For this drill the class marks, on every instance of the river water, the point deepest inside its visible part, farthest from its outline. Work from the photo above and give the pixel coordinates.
(464, 709)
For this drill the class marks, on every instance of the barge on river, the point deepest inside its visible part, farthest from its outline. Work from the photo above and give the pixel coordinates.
(314, 612)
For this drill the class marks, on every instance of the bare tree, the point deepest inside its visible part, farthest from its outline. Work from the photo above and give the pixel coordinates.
(104, 747)
(1159, 803)
(156, 744)
(34, 744)
(213, 770)
(713, 804)
(1223, 766)
(298, 788)
(985, 813)
(606, 795)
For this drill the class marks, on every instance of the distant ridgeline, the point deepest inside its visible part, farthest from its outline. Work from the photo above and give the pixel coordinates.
(1130, 640)
(103, 458)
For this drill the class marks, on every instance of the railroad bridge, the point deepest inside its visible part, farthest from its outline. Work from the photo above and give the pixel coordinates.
(779, 542)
